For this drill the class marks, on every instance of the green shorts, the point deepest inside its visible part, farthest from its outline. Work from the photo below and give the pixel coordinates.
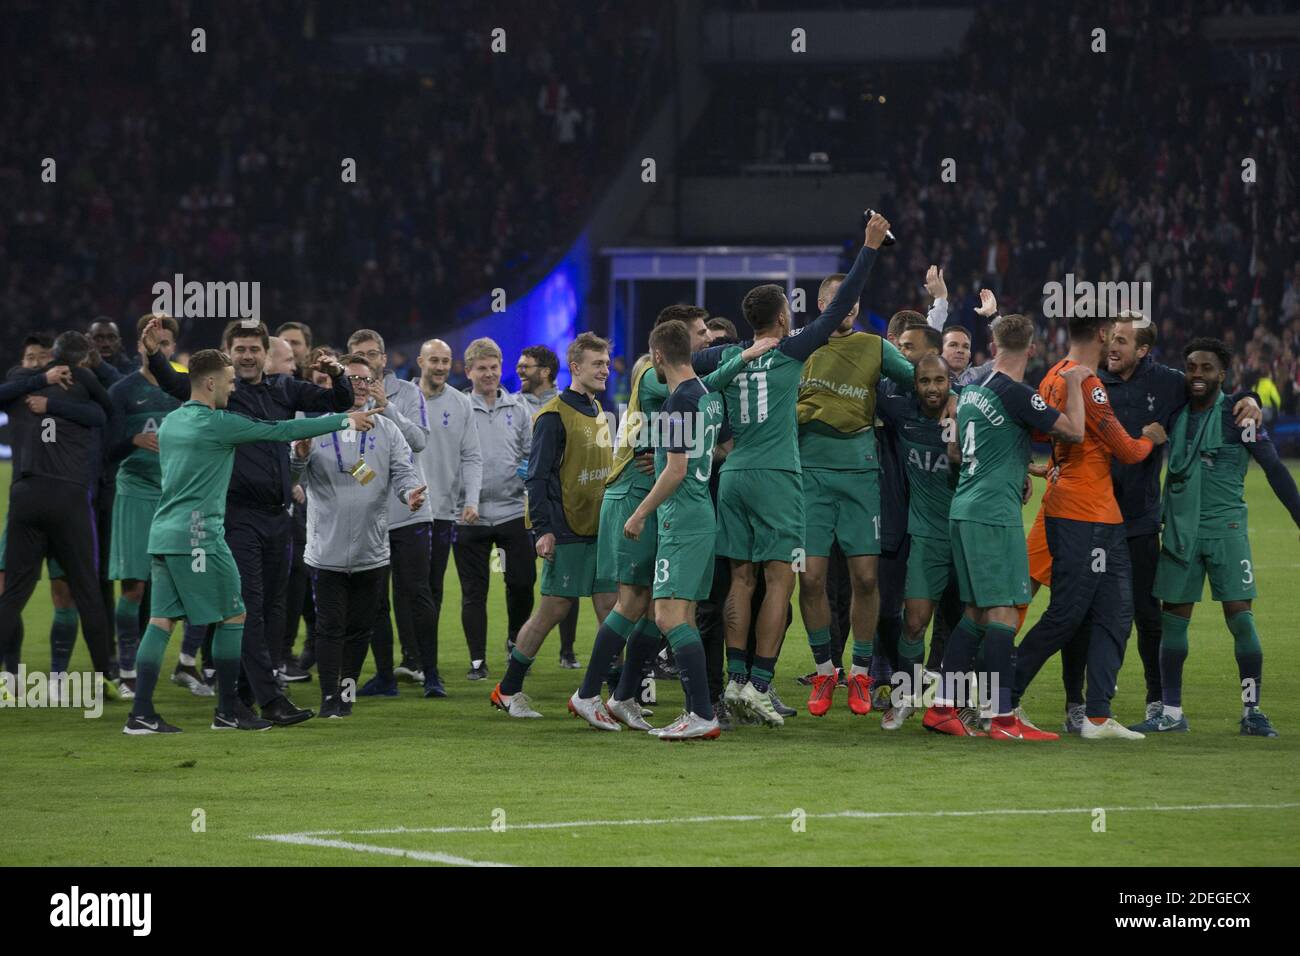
(201, 593)
(1227, 562)
(128, 550)
(619, 559)
(571, 572)
(843, 506)
(684, 566)
(991, 563)
(52, 566)
(929, 568)
(760, 515)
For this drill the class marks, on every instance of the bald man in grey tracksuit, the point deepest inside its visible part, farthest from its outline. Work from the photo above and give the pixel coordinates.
(348, 477)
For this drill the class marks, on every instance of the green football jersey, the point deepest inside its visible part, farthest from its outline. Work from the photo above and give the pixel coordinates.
(995, 417)
(691, 419)
(138, 407)
(761, 409)
(196, 451)
(650, 395)
(930, 479)
(1223, 480)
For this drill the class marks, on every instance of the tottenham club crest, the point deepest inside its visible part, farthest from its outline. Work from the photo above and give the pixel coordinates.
(1036, 400)
(1099, 395)
(1151, 402)
(446, 419)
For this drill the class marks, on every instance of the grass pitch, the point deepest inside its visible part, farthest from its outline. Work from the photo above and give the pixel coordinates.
(452, 781)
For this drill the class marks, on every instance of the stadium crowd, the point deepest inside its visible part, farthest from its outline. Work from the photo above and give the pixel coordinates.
(506, 149)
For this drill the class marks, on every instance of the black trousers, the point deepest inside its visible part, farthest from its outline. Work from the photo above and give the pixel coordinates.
(1092, 589)
(444, 533)
(1144, 555)
(712, 628)
(262, 543)
(106, 492)
(298, 604)
(410, 550)
(56, 518)
(473, 548)
(346, 606)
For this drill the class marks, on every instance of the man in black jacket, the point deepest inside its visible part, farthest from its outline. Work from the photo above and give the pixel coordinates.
(57, 415)
(258, 524)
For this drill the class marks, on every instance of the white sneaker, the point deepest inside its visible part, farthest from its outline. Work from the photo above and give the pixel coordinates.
(691, 727)
(192, 681)
(592, 710)
(760, 706)
(895, 716)
(630, 713)
(516, 705)
(1111, 729)
(412, 674)
(124, 690)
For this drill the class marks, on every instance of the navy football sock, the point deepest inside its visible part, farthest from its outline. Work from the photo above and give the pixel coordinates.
(610, 640)
(63, 636)
(642, 646)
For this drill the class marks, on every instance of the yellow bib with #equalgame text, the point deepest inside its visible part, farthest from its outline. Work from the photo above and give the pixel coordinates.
(584, 465)
(838, 387)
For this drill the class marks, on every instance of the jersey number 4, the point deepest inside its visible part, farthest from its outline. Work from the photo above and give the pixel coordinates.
(760, 392)
(968, 448)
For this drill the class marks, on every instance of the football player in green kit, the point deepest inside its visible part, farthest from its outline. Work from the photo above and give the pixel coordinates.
(841, 490)
(139, 407)
(920, 421)
(683, 567)
(628, 562)
(760, 490)
(1205, 534)
(193, 574)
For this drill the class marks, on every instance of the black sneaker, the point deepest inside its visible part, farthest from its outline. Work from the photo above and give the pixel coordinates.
(294, 673)
(433, 686)
(723, 715)
(345, 707)
(329, 707)
(221, 721)
(477, 673)
(780, 708)
(144, 726)
(284, 713)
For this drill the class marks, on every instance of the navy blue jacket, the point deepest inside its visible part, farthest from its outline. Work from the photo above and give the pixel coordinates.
(894, 493)
(1154, 393)
(260, 479)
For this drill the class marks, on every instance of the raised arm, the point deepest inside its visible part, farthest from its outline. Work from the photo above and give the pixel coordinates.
(896, 368)
(169, 380)
(308, 397)
(801, 345)
(937, 316)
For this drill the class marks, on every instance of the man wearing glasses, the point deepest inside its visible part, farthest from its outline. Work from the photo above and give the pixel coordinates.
(410, 536)
(352, 478)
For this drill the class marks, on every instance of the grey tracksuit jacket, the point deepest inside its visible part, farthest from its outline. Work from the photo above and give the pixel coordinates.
(347, 522)
(407, 411)
(452, 461)
(505, 434)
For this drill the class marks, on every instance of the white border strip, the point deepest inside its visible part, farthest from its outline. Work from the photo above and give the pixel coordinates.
(303, 839)
(313, 837)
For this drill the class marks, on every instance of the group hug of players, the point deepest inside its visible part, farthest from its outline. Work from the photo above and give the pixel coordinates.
(801, 455)
(807, 427)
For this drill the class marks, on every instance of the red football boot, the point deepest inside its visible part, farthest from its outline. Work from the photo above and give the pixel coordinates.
(860, 693)
(823, 693)
(944, 720)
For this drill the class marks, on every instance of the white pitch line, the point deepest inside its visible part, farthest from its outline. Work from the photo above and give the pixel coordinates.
(303, 839)
(746, 818)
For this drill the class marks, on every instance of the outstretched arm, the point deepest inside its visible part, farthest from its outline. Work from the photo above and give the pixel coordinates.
(1279, 476)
